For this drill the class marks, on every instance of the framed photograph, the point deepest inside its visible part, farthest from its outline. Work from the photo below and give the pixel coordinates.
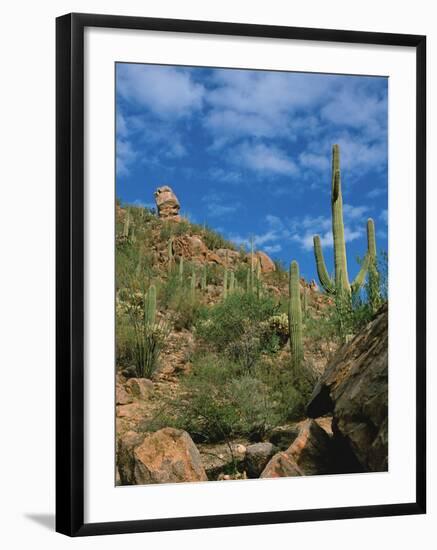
(240, 274)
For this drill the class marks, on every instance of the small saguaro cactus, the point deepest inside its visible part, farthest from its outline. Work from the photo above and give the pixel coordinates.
(258, 279)
(181, 269)
(231, 282)
(204, 279)
(170, 254)
(304, 300)
(225, 283)
(373, 289)
(193, 284)
(150, 306)
(341, 277)
(295, 316)
(126, 224)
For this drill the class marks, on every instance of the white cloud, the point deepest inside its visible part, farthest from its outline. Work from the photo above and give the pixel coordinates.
(166, 91)
(125, 157)
(273, 249)
(384, 216)
(227, 176)
(218, 206)
(375, 193)
(264, 159)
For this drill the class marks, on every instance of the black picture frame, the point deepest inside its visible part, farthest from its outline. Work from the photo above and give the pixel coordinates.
(70, 273)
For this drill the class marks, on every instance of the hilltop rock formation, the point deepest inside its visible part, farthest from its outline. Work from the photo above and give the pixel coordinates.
(167, 204)
(354, 389)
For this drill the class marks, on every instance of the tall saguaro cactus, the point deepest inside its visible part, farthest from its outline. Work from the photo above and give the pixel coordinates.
(373, 288)
(341, 277)
(295, 316)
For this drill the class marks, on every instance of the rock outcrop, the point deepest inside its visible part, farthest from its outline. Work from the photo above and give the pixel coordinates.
(309, 454)
(167, 204)
(354, 389)
(257, 457)
(166, 456)
(266, 263)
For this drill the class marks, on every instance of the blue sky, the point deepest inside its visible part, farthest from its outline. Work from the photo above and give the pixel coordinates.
(248, 152)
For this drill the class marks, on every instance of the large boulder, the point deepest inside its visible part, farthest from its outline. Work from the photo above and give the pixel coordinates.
(167, 204)
(257, 457)
(122, 397)
(220, 458)
(141, 388)
(309, 454)
(167, 456)
(266, 263)
(354, 389)
(125, 459)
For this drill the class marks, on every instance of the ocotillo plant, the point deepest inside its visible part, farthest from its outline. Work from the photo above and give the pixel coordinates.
(203, 282)
(150, 306)
(295, 317)
(248, 280)
(341, 277)
(181, 269)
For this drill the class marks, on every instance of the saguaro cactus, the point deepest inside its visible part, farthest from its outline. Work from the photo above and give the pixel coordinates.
(203, 281)
(225, 283)
(126, 224)
(373, 289)
(231, 282)
(193, 283)
(170, 254)
(295, 316)
(181, 269)
(341, 278)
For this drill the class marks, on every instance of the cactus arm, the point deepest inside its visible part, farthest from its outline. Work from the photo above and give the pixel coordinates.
(359, 279)
(295, 316)
(371, 242)
(370, 258)
(324, 278)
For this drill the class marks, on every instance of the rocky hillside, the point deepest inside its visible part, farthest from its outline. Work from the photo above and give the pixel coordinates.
(215, 397)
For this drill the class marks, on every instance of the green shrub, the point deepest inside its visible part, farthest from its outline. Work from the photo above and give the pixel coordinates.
(235, 327)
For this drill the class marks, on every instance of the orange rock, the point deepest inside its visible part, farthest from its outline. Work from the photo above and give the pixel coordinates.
(309, 454)
(167, 456)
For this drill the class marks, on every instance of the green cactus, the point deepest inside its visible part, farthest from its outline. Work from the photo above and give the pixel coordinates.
(252, 266)
(225, 283)
(373, 280)
(150, 306)
(181, 269)
(304, 300)
(341, 277)
(126, 224)
(258, 278)
(170, 254)
(193, 284)
(295, 317)
(232, 282)
(204, 278)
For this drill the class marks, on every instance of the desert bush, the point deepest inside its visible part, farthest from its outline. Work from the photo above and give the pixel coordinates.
(235, 327)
